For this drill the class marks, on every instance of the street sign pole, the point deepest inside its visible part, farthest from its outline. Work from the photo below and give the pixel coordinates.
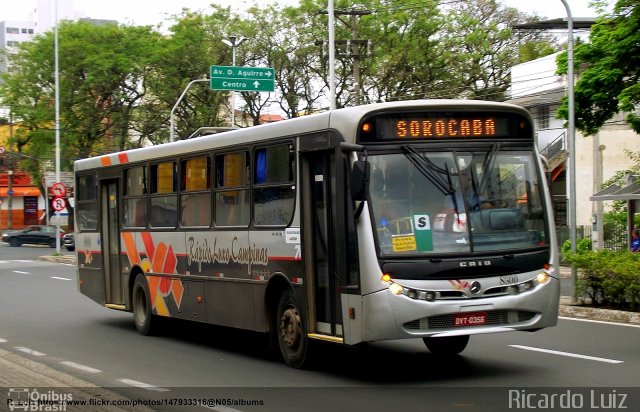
(234, 42)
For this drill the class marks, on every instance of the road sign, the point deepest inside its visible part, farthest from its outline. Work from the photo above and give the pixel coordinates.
(58, 204)
(59, 190)
(242, 78)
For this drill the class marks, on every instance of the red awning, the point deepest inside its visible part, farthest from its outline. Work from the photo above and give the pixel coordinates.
(20, 191)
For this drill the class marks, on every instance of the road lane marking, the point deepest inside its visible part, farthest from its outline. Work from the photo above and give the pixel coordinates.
(142, 385)
(22, 261)
(21, 272)
(602, 322)
(81, 367)
(3, 340)
(29, 351)
(59, 278)
(569, 354)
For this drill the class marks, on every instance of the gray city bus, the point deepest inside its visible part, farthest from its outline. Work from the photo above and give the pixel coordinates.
(416, 219)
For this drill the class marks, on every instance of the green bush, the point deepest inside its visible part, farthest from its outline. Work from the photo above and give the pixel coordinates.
(610, 278)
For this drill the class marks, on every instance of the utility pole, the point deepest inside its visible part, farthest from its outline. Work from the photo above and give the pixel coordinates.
(353, 48)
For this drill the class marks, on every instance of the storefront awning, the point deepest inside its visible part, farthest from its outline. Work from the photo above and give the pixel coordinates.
(20, 191)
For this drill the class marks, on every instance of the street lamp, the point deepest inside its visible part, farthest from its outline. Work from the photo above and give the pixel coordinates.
(572, 143)
(233, 41)
(175, 106)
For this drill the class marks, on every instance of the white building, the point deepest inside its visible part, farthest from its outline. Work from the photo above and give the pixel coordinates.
(12, 33)
(40, 19)
(536, 87)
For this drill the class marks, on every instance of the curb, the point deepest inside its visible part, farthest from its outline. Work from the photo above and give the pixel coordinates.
(605, 315)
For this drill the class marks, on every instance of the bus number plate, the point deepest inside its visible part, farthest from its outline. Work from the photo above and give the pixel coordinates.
(470, 319)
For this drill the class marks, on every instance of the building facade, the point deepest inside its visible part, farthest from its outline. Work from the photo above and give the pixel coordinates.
(12, 33)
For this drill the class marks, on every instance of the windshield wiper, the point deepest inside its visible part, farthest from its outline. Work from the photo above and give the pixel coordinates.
(487, 166)
(433, 173)
(429, 170)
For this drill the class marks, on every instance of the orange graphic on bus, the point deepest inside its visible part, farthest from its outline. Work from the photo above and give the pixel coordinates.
(159, 258)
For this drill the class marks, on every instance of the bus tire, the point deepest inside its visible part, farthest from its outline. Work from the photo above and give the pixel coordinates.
(448, 345)
(291, 330)
(143, 316)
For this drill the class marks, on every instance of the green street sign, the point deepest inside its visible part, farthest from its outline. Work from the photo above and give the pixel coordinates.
(242, 78)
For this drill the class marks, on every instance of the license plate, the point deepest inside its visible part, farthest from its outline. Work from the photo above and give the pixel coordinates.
(470, 319)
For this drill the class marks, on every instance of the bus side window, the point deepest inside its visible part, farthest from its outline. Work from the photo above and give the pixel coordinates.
(274, 191)
(164, 201)
(232, 189)
(135, 201)
(195, 192)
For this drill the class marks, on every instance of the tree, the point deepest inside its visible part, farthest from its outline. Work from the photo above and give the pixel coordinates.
(610, 81)
(194, 45)
(281, 39)
(486, 47)
(102, 69)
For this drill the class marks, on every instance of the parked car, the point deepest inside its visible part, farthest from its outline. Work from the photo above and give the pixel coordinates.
(34, 234)
(69, 242)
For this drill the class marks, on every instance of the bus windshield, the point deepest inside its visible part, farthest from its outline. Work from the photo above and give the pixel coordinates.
(434, 202)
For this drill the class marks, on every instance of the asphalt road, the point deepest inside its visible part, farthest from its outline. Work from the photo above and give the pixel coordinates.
(44, 318)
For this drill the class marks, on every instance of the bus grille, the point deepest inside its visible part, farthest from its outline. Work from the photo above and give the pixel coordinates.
(494, 318)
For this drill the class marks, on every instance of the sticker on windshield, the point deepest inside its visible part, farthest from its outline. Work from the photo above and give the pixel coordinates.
(403, 243)
(424, 237)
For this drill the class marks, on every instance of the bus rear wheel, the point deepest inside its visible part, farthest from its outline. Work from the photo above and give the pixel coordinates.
(292, 336)
(448, 345)
(143, 316)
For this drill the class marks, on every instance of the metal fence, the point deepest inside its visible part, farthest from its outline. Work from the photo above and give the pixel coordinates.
(615, 235)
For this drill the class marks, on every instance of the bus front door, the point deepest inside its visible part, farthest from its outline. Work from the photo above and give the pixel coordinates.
(111, 243)
(323, 244)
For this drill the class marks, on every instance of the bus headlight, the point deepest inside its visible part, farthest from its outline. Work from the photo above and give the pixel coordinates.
(396, 289)
(542, 278)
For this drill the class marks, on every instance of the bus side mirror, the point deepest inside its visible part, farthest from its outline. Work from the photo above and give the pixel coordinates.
(360, 180)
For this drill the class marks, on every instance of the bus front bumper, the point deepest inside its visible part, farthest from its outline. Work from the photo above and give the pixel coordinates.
(390, 316)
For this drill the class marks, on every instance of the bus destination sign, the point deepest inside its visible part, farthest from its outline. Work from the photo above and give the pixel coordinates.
(443, 126)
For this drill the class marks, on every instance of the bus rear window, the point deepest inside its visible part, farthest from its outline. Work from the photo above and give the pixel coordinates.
(87, 203)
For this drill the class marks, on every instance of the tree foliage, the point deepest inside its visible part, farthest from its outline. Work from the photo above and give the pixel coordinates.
(102, 84)
(609, 82)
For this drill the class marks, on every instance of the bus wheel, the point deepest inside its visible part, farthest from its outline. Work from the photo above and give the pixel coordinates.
(142, 315)
(449, 345)
(292, 337)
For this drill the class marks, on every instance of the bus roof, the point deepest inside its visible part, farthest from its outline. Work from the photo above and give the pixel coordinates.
(345, 121)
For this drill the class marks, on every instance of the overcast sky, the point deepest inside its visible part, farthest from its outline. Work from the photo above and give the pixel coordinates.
(151, 12)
